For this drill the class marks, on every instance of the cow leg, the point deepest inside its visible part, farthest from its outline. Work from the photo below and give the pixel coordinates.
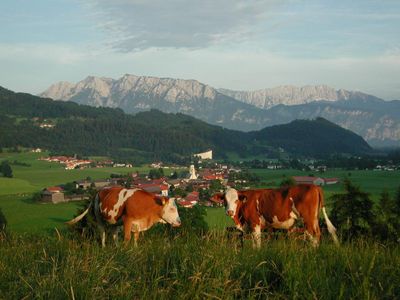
(313, 232)
(102, 231)
(257, 237)
(136, 237)
(127, 229)
(99, 221)
(115, 235)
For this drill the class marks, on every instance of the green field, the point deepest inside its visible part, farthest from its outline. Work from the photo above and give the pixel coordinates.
(23, 215)
(37, 263)
(373, 182)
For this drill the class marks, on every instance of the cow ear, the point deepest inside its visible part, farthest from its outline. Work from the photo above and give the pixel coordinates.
(160, 201)
(243, 198)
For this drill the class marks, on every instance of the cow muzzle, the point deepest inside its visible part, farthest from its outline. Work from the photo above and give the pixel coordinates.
(230, 213)
(176, 224)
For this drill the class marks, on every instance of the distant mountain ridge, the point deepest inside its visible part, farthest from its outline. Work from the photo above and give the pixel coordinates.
(154, 135)
(367, 115)
(293, 95)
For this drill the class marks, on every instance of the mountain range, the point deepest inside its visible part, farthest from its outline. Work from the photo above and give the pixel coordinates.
(376, 120)
(153, 135)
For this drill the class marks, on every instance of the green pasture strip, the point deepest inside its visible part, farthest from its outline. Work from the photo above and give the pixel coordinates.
(15, 186)
(41, 174)
(25, 216)
(217, 219)
(192, 267)
(373, 182)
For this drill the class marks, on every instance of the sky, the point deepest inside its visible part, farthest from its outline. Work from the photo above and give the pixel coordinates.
(240, 45)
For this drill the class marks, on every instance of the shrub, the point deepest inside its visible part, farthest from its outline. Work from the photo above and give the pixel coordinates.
(352, 211)
(3, 223)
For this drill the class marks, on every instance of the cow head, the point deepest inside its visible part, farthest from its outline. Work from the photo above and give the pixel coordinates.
(231, 201)
(169, 212)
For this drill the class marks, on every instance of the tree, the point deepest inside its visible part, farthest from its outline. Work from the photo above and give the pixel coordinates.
(174, 175)
(5, 169)
(387, 223)
(353, 211)
(287, 182)
(3, 222)
(156, 173)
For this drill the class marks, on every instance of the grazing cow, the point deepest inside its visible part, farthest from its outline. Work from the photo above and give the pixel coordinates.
(278, 208)
(139, 210)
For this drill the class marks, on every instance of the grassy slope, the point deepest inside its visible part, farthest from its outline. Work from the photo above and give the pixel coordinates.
(22, 214)
(188, 267)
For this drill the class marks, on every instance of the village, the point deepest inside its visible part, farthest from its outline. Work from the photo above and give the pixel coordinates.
(190, 188)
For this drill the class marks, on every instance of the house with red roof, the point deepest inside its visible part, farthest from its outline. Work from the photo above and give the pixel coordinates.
(53, 194)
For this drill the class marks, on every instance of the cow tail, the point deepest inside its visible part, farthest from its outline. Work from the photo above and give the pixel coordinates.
(80, 217)
(331, 228)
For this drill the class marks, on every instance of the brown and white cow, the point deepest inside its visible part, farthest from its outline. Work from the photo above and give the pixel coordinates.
(139, 211)
(278, 208)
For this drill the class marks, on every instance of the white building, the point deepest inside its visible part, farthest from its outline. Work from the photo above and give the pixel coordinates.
(192, 173)
(204, 155)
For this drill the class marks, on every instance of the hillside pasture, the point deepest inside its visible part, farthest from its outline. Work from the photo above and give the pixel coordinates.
(373, 182)
(41, 174)
(193, 267)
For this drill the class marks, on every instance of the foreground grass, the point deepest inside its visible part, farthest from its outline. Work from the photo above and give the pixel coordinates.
(191, 267)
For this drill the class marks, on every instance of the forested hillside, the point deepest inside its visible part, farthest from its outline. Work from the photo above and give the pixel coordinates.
(313, 138)
(146, 136)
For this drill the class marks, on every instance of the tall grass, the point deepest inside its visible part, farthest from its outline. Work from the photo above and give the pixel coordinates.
(193, 267)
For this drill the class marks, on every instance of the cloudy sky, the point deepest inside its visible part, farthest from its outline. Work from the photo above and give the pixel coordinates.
(242, 45)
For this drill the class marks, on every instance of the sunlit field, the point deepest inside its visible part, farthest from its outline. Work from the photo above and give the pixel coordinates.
(38, 261)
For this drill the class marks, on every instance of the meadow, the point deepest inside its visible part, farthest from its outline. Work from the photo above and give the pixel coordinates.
(36, 261)
(196, 267)
(25, 215)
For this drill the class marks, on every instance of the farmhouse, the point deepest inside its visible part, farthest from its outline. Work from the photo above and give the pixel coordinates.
(98, 184)
(53, 194)
(309, 180)
(315, 180)
(161, 189)
(190, 200)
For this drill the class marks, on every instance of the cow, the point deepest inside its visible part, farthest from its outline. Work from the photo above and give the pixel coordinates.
(138, 210)
(278, 208)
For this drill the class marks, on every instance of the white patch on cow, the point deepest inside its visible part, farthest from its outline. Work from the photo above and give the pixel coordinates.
(170, 213)
(294, 209)
(262, 221)
(123, 195)
(231, 197)
(283, 224)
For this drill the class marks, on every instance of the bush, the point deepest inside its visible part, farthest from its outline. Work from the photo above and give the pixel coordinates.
(3, 223)
(5, 169)
(352, 211)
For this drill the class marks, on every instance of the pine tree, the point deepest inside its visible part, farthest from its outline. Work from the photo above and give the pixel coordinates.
(352, 211)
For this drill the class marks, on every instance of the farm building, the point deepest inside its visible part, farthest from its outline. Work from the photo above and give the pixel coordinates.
(204, 155)
(53, 194)
(190, 200)
(98, 184)
(309, 180)
(315, 180)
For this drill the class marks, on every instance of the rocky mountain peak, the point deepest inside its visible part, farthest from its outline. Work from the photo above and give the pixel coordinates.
(292, 95)
(169, 89)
